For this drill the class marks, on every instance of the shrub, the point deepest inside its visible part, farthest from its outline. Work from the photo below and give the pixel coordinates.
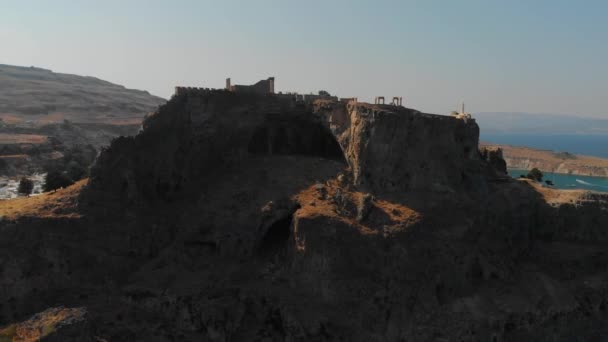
(25, 186)
(535, 174)
(55, 180)
(76, 171)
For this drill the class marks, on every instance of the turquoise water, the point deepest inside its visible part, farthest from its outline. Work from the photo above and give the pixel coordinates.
(563, 181)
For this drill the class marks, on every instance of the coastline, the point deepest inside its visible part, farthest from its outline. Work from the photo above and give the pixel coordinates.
(525, 158)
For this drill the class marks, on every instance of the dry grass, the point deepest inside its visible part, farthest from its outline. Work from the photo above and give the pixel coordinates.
(11, 119)
(14, 156)
(41, 325)
(124, 121)
(50, 118)
(7, 139)
(312, 206)
(556, 196)
(59, 204)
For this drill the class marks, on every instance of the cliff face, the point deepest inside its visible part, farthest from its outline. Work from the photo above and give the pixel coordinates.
(198, 134)
(388, 148)
(395, 149)
(242, 217)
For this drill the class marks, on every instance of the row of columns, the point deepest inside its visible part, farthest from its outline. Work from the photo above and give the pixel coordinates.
(397, 101)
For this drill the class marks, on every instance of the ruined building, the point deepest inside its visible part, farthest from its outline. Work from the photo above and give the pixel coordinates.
(265, 87)
(261, 87)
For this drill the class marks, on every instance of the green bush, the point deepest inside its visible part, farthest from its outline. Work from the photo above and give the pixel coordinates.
(55, 180)
(76, 171)
(535, 174)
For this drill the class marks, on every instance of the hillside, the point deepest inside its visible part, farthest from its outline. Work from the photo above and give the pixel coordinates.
(525, 158)
(43, 96)
(319, 222)
(44, 114)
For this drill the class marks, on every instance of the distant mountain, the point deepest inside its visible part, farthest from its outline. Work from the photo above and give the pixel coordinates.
(544, 124)
(35, 104)
(30, 94)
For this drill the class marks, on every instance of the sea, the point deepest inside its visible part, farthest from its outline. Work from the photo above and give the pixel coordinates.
(585, 144)
(562, 181)
(589, 145)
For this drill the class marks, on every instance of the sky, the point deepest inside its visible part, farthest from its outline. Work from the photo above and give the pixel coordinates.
(544, 56)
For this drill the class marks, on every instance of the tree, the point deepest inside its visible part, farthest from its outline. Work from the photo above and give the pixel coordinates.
(55, 180)
(535, 174)
(76, 171)
(324, 93)
(25, 186)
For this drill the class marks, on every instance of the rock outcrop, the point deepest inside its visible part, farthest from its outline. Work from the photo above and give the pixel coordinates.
(388, 148)
(246, 217)
(396, 149)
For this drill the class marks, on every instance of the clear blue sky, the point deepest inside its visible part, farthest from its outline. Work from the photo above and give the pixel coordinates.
(520, 55)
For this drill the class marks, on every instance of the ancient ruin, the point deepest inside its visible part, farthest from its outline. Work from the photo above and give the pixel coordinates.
(461, 114)
(267, 87)
(261, 87)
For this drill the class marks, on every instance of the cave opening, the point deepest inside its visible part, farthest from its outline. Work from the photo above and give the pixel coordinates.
(275, 240)
(295, 136)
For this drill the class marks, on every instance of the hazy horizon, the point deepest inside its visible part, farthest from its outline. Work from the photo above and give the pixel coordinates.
(541, 57)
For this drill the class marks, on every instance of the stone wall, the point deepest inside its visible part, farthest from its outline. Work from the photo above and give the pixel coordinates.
(261, 87)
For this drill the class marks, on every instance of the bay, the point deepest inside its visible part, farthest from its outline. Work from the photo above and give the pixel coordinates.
(564, 181)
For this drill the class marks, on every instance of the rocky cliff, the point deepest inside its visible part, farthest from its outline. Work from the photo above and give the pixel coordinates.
(242, 217)
(396, 149)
